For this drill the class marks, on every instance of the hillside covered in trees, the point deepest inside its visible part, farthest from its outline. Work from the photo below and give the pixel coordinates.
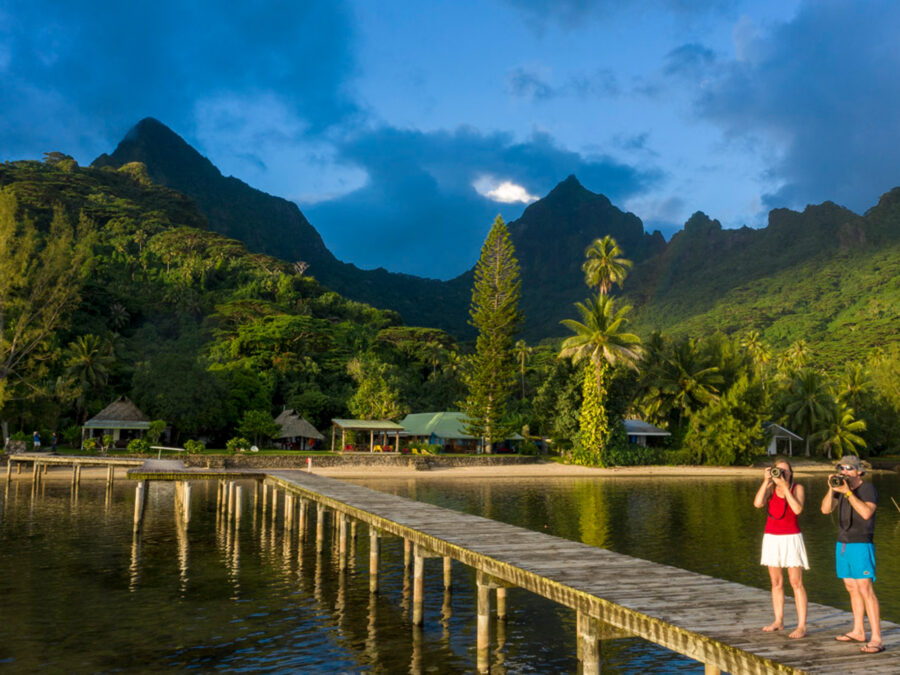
(194, 328)
(731, 328)
(826, 275)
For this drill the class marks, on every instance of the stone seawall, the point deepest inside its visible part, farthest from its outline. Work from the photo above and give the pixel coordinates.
(418, 462)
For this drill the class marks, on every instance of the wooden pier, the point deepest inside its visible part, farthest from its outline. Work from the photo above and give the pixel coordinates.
(713, 621)
(41, 462)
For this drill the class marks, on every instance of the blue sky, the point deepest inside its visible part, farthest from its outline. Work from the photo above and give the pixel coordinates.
(402, 128)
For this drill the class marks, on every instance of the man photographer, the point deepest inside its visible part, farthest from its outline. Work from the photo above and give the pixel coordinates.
(856, 502)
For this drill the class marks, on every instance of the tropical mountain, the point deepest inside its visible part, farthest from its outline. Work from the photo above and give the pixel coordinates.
(826, 274)
(195, 328)
(277, 227)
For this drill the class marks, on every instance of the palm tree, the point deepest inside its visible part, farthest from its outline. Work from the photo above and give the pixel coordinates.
(793, 359)
(809, 403)
(522, 352)
(854, 385)
(599, 335)
(88, 359)
(757, 349)
(433, 353)
(604, 265)
(688, 379)
(841, 430)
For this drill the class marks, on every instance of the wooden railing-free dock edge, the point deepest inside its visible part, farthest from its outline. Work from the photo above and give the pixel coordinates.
(711, 620)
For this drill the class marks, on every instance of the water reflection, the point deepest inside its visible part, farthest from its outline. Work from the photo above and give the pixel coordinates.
(241, 589)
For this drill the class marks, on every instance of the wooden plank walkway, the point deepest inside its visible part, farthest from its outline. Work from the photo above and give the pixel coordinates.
(714, 621)
(69, 460)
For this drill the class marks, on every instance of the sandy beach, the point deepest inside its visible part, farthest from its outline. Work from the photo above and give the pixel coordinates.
(545, 470)
(802, 467)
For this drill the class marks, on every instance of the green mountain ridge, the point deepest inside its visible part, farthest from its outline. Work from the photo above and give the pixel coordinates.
(779, 279)
(277, 227)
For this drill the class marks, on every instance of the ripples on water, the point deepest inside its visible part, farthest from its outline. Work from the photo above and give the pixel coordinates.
(79, 594)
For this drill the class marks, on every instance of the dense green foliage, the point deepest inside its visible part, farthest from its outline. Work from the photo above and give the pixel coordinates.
(188, 323)
(794, 324)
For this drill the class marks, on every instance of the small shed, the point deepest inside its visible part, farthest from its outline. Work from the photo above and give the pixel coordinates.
(384, 428)
(776, 433)
(121, 419)
(639, 431)
(296, 432)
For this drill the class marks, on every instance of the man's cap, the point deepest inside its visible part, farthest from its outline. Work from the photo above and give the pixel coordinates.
(851, 461)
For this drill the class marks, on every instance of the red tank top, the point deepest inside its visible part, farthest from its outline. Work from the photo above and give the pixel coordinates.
(781, 517)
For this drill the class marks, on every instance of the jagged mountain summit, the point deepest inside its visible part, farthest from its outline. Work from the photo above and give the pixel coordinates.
(266, 224)
(550, 238)
(825, 274)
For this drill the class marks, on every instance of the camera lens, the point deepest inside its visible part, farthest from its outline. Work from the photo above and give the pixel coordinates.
(775, 472)
(835, 481)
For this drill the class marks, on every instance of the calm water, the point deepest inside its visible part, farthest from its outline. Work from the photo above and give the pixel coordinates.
(78, 594)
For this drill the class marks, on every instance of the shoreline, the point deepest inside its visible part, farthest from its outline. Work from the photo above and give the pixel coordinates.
(545, 470)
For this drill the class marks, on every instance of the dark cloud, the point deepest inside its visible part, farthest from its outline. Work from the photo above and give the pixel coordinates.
(573, 13)
(691, 60)
(523, 84)
(601, 83)
(419, 212)
(113, 63)
(823, 91)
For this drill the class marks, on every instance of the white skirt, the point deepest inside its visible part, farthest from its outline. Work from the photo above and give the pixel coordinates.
(784, 550)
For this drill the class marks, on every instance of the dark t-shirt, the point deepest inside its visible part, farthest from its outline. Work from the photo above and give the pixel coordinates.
(853, 528)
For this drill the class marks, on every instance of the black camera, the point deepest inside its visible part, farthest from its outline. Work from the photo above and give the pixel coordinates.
(836, 481)
(775, 472)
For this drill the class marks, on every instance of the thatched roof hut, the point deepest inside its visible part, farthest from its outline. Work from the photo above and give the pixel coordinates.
(294, 426)
(120, 414)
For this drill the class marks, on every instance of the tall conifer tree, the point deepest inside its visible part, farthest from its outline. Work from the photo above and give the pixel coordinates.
(495, 313)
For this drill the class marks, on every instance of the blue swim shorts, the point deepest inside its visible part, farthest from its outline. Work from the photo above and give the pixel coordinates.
(855, 561)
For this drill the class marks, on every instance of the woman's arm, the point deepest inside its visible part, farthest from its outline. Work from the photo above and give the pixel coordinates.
(795, 499)
(762, 495)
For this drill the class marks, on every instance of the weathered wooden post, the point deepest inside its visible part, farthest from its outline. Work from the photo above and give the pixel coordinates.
(78, 476)
(274, 507)
(238, 501)
(186, 502)
(448, 580)
(35, 468)
(407, 553)
(301, 527)
(588, 643)
(288, 512)
(418, 587)
(140, 494)
(483, 642)
(320, 527)
(342, 541)
(74, 473)
(230, 505)
(110, 475)
(8, 469)
(374, 545)
(265, 491)
(501, 603)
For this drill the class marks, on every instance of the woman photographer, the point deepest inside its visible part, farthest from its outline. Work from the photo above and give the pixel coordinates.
(782, 541)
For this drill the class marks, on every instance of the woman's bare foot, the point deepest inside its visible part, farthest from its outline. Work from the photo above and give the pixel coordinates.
(772, 627)
(798, 632)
